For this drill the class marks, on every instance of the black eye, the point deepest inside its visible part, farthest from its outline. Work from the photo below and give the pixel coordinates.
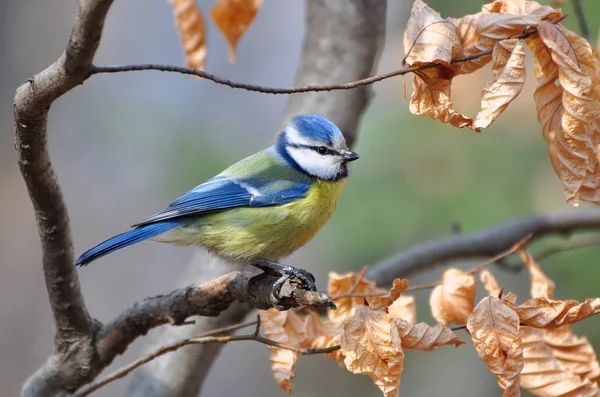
(322, 150)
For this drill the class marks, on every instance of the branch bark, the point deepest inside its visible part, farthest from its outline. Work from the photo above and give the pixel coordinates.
(74, 326)
(342, 42)
(209, 299)
(486, 243)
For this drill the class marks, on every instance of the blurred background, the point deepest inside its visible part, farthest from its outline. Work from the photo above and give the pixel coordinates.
(125, 145)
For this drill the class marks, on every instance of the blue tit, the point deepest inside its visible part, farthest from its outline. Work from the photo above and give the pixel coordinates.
(260, 209)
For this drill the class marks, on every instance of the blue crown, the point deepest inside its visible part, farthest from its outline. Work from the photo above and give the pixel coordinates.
(316, 127)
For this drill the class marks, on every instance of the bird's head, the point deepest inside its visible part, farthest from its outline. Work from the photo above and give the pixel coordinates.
(316, 146)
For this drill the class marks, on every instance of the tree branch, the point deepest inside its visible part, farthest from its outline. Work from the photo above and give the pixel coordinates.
(209, 299)
(486, 243)
(32, 101)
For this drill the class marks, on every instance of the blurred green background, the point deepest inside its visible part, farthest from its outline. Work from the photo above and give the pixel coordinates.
(125, 145)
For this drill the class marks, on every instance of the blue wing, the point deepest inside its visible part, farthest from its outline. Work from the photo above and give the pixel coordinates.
(222, 192)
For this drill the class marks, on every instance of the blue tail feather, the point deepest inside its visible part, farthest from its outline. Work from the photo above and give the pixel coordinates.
(126, 239)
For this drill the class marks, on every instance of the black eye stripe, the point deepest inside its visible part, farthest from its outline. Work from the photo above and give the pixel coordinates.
(324, 151)
(330, 152)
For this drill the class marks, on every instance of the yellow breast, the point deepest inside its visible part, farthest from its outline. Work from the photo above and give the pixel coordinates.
(267, 232)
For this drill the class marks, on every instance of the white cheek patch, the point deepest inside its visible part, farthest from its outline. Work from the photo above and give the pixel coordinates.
(324, 167)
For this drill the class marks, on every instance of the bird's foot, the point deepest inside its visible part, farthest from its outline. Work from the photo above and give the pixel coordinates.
(285, 272)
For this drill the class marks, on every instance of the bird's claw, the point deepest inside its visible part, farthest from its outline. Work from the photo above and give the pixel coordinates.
(285, 272)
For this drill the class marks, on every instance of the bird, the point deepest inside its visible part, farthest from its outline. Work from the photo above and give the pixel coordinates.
(260, 209)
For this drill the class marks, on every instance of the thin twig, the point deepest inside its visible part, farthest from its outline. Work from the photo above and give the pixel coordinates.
(583, 25)
(358, 295)
(257, 88)
(424, 286)
(124, 371)
(573, 243)
(515, 248)
(458, 327)
(257, 328)
(293, 90)
(228, 330)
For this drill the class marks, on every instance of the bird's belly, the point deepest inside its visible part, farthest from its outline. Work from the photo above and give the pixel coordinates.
(266, 232)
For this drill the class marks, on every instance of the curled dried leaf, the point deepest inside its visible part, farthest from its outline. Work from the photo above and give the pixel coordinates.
(544, 374)
(233, 18)
(481, 32)
(289, 328)
(541, 285)
(371, 346)
(431, 97)
(508, 81)
(510, 299)
(340, 284)
(424, 337)
(567, 100)
(398, 287)
(575, 353)
(544, 313)
(452, 301)
(522, 7)
(429, 37)
(192, 31)
(489, 283)
(404, 308)
(322, 334)
(494, 328)
(468, 30)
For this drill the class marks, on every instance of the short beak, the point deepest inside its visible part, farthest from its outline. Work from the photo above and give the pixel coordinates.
(349, 155)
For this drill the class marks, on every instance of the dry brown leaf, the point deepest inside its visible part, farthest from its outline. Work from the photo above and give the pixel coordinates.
(322, 334)
(575, 353)
(431, 97)
(489, 283)
(522, 7)
(544, 313)
(340, 284)
(546, 376)
(233, 18)
(508, 81)
(482, 31)
(424, 337)
(468, 31)
(404, 308)
(371, 346)
(398, 287)
(541, 285)
(430, 38)
(289, 328)
(494, 328)
(192, 31)
(509, 298)
(453, 300)
(567, 101)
